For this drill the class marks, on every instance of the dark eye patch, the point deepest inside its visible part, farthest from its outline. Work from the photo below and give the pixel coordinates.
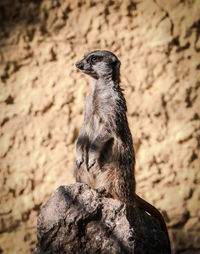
(95, 59)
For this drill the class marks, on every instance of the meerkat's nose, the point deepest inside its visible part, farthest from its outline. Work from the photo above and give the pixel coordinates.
(79, 65)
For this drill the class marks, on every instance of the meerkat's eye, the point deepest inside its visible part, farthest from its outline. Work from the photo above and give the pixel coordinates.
(95, 59)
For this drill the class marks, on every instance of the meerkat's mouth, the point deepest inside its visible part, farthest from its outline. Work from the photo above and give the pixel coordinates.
(89, 72)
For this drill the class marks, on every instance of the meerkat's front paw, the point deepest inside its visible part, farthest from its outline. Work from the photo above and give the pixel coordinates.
(79, 162)
(91, 164)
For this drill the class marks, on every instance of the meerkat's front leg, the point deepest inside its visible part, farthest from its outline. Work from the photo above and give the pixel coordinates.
(81, 146)
(95, 149)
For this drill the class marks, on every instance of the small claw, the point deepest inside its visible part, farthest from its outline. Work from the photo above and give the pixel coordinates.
(91, 164)
(78, 163)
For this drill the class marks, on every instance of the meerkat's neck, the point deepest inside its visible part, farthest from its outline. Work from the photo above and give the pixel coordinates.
(102, 90)
(105, 82)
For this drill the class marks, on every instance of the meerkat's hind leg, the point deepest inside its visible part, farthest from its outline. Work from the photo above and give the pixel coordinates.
(102, 191)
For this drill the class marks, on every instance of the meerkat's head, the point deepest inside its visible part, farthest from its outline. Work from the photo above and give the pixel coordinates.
(100, 64)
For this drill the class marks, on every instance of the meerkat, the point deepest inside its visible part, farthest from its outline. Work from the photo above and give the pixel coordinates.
(105, 158)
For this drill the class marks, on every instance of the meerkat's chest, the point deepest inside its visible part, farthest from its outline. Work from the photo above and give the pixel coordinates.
(97, 107)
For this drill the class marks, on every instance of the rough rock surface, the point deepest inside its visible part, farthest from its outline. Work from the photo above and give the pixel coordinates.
(76, 219)
(42, 97)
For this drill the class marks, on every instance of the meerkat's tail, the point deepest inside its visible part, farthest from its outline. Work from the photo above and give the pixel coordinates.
(141, 203)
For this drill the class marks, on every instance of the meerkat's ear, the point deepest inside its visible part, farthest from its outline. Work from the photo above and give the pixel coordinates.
(117, 64)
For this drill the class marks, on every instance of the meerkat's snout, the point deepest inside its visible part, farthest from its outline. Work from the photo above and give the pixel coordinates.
(79, 65)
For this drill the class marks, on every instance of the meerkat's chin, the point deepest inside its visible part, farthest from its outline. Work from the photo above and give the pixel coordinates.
(87, 72)
(90, 73)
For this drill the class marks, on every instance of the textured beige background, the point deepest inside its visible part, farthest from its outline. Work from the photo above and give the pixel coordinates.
(42, 97)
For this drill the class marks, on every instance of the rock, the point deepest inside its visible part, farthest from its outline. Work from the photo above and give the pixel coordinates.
(193, 224)
(77, 219)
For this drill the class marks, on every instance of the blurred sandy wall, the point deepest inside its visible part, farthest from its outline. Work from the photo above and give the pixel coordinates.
(42, 97)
